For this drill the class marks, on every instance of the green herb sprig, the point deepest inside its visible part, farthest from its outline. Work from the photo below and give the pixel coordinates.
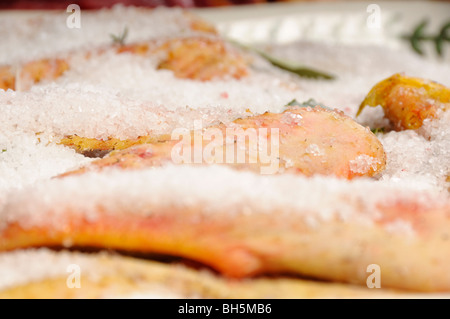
(120, 39)
(418, 37)
(300, 70)
(378, 130)
(290, 66)
(310, 103)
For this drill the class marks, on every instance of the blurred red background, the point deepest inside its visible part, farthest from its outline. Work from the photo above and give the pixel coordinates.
(96, 4)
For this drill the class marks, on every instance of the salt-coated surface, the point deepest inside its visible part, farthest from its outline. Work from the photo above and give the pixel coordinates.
(34, 265)
(363, 163)
(215, 189)
(357, 68)
(26, 159)
(421, 156)
(124, 96)
(102, 110)
(26, 37)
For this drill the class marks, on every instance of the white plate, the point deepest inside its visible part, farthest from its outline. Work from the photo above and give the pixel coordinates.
(354, 22)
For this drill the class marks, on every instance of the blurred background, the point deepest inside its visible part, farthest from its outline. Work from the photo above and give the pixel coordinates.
(254, 22)
(96, 4)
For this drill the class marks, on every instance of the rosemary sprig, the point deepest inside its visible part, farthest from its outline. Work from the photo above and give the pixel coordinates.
(309, 103)
(294, 102)
(418, 37)
(443, 36)
(300, 70)
(120, 39)
(378, 130)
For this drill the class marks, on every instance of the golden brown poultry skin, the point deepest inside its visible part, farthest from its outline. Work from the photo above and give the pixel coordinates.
(241, 245)
(408, 101)
(7, 78)
(195, 58)
(116, 276)
(41, 70)
(301, 140)
(202, 60)
(92, 147)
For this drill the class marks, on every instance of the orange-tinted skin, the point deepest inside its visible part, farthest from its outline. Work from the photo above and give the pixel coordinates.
(242, 245)
(50, 69)
(200, 25)
(7, 78)
(194, 58)
(408, 101)
(31, 73)
(339, 139)
(202, 60)
(40, 70)
(92, 147)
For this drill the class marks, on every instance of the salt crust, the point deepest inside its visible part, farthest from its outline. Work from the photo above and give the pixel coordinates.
(33, 265)
(213, 189)
(124, 96)
(90, 101)
(160, 105)
(420, 157)
(26, 159)
(357, 68)
(363, 163)
(28, 38)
